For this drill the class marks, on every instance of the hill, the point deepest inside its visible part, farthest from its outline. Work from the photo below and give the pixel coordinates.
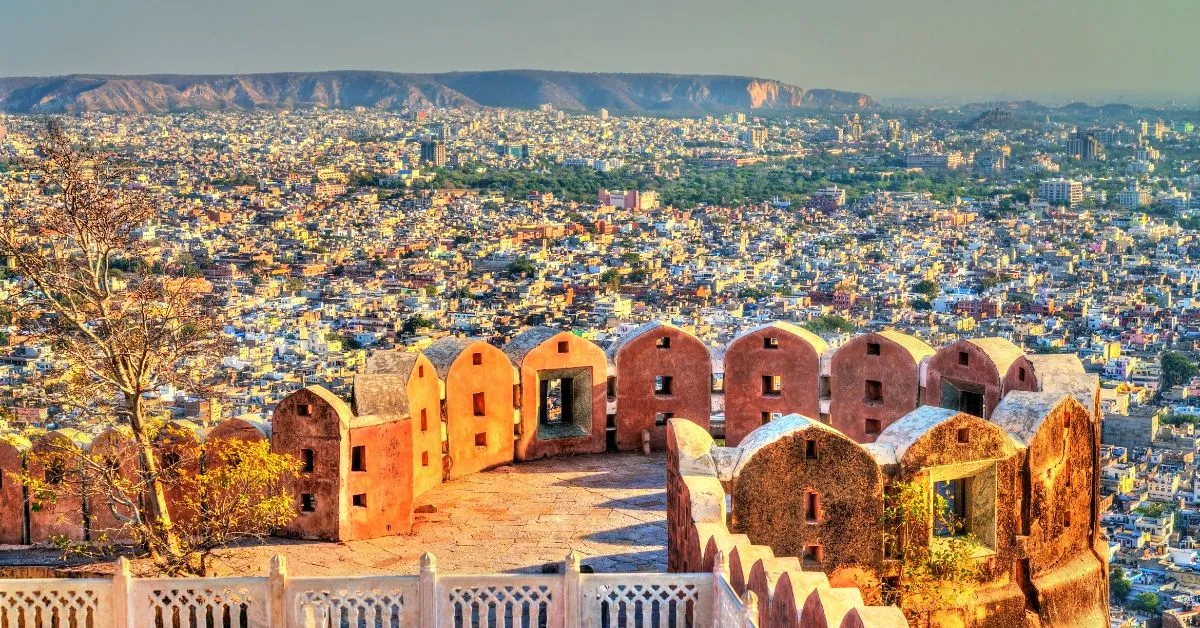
(633, 93)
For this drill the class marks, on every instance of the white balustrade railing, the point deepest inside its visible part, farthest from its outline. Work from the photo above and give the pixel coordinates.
(427, 600)
(80, 603)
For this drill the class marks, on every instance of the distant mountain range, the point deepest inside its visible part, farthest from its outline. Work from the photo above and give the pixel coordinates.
(633, 93)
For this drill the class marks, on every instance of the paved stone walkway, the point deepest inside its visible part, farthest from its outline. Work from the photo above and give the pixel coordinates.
(611, 508)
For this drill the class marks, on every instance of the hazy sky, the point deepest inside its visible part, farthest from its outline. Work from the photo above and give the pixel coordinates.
(883, 47)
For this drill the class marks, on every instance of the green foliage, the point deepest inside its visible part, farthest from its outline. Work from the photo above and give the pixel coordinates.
(611, 278)
(757, 294)
(1181, 419)
(1176, 369)
(1119, 586)
(1151, 510)
(1146, 602)
(415, 323)
(829, 324)
(933, 575)
(521, 266)
(929, 289)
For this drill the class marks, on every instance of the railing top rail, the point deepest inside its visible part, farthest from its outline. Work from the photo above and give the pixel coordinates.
(201, 583)
(342, 582)
(54, 583)
(493, 579)
(649, 578)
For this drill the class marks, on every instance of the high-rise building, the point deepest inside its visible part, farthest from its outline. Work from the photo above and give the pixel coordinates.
(1061, 191)
(755, 137)
(1085, 146)
(603, 114)
(893, 130)
(433, 152)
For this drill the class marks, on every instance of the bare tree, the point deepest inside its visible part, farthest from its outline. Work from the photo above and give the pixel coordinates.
(122, 324)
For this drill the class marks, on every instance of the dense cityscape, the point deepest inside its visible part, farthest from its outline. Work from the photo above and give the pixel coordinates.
(327, 235)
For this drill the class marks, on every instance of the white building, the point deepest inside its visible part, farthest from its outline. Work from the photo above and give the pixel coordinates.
(1133, 196)
(1061, 191)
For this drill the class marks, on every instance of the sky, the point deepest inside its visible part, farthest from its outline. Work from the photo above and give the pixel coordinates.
(887, 48)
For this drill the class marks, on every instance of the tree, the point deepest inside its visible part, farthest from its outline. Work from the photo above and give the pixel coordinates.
(415, 323)
(933, 575)
(227, 490)
(928, 288)
(119, 341)
(1147, 603)
(1119, 585)
(828, 324)
(521, 266)
(1176, 369)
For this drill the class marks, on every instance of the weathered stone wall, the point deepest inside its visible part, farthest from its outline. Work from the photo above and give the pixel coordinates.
(559, 352)
(641, 359)
(484, 441)
(897, 369)
(425, 412)
(777, 350)
(12, 499)
(314, 419)
(787, 594)
(385, 483)
(785, 470)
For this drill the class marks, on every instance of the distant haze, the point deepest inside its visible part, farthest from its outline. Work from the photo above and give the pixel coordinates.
(1120, 49)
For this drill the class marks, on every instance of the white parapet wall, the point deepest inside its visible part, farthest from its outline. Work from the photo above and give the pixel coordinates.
(429, 600)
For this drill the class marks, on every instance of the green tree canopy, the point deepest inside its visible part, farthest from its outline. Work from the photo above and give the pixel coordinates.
(1177, 369)
(928, 288)
(1147, 602)
(1119, 585)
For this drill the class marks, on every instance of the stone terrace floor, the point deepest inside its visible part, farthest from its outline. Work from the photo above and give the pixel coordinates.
(610, 508)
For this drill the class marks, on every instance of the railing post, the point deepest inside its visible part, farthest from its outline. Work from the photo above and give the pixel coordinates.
(720, 572)
(122, 610)
(750, 610)
(574, 602)
(428, 590)
(276, 587)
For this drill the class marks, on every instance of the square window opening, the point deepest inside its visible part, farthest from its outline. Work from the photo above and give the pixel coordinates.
(964, 358)
(359, 501)
(304, 409)
(772, 385)
(964, 435)
(557, 401)
(873, 391)
(872, 348)
(663, 385)
(766, 418)
(952, 516)
(661, 418)
(663, 342)
(481, 439)
(308, 502)
(874, 427)
(563, 346)
(476, 359)
(771, 343)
